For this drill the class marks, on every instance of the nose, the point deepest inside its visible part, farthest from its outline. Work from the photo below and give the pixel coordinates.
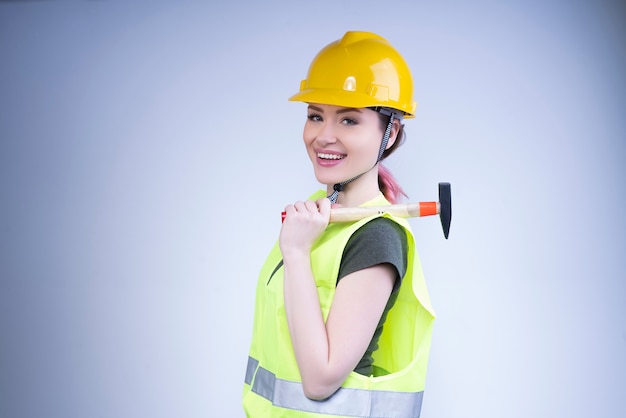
(326, 134)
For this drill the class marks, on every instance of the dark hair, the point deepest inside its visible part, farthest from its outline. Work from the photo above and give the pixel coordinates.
(386, 181)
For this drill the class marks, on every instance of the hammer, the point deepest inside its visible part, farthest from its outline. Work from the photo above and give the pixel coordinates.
(403, 210)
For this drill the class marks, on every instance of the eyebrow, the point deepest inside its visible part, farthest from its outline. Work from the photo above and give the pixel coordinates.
(342, 110)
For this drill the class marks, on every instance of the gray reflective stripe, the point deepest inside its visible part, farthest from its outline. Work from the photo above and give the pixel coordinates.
(347, 402)
(251, 369)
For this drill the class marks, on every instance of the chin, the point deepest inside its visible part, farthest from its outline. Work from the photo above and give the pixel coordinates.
(326, 179)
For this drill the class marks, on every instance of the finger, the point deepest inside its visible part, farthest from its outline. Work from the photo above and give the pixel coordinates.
(324, 206)
(323, 203)
(288, 209)
(299, 206)
(311, 206)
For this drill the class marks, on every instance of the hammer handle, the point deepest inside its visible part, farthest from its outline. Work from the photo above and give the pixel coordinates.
(402, 210)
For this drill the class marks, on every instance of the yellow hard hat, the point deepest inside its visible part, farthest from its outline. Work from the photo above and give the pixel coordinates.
(361, 69)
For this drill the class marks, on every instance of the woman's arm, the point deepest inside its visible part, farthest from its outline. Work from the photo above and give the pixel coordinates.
(327, 352)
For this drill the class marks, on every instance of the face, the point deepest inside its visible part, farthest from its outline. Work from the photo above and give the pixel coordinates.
(341, 142)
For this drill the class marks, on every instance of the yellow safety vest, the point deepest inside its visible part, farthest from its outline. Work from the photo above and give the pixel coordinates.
(273, 385)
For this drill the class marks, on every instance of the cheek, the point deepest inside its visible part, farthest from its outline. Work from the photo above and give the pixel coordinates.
(307, 135)
(307, 145)
(371, 146)
(307, 140)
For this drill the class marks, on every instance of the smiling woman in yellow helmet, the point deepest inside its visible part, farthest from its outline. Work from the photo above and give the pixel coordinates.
(343, 320)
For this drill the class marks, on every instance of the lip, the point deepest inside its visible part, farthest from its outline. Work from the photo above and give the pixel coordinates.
(329, 162)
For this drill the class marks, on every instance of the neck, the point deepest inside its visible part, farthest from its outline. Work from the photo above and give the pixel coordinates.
(358, 191)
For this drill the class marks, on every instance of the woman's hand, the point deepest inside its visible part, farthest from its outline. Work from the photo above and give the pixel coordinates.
(304, 223)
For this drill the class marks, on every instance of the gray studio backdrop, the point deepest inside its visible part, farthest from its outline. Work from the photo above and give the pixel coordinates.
(147, 149)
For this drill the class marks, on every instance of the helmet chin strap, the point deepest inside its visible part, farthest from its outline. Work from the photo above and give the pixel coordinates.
(338, 187)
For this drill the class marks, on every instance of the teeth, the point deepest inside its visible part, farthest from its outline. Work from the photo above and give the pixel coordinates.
(329, 156)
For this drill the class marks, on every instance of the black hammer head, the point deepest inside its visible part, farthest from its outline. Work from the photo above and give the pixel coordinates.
(445, 207)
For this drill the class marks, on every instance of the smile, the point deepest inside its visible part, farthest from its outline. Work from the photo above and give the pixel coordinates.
(325, 156)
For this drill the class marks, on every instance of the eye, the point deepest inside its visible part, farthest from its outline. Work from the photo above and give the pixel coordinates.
(314, 117)
(349, 121)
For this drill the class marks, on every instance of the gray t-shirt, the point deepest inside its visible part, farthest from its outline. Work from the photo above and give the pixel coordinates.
(377, 242)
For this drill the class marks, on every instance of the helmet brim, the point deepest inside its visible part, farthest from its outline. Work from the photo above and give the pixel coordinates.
(344, 99)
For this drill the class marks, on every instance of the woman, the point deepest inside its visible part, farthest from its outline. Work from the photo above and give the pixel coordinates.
(343, 321)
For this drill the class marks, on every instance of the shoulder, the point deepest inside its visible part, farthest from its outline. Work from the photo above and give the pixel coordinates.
(380, 240)
(382, 225)
(379, 232)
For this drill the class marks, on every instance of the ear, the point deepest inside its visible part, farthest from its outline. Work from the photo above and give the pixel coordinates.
(393, 135)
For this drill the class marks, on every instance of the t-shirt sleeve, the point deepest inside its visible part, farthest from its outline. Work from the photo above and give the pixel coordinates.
(377, 242)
